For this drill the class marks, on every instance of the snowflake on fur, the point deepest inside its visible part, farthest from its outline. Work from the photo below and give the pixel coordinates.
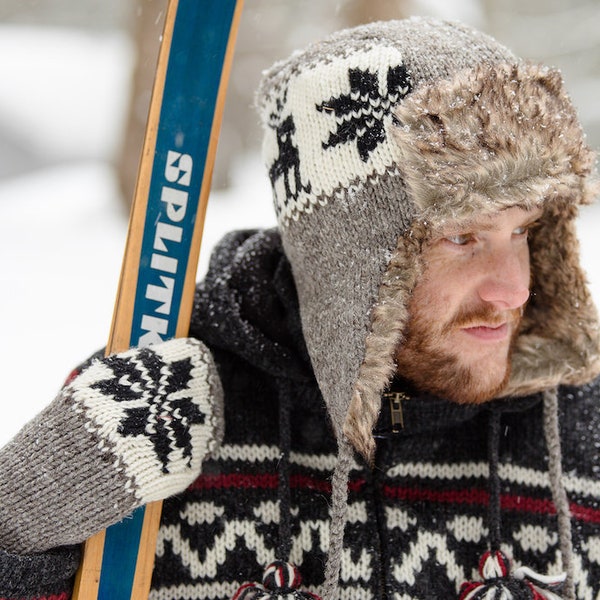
(359, 115)
(143, 384)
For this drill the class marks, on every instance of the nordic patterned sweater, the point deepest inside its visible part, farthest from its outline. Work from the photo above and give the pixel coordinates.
(418, 521)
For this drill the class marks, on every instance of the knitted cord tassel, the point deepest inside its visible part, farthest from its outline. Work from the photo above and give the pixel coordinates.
(500, 584)
(559, 494)
(281, 580)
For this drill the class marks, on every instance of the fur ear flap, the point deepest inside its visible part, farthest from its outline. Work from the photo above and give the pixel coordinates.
(560, 337)
(390, 315)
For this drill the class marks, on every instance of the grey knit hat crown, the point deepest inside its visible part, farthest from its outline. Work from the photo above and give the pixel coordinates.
(372, 136)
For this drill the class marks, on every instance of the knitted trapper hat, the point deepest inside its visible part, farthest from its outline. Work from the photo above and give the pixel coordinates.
(378, 134)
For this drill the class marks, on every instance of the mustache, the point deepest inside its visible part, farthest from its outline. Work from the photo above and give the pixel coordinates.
(483, 315)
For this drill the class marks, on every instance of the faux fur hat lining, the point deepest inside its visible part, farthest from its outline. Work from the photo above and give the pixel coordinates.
(495, 136)
(491, 138)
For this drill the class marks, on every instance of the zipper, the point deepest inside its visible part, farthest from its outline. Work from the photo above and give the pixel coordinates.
(394, 401)
(382, 540)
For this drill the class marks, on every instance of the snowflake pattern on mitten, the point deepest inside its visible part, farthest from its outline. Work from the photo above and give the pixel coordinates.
(156, 409)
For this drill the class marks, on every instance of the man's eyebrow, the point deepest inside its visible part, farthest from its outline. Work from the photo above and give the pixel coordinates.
(472, 225)
(466, 226)
(532, 216)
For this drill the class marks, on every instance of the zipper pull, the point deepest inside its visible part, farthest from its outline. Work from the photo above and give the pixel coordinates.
(395, 403)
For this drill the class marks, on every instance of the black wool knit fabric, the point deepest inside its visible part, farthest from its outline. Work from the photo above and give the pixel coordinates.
(418, 521)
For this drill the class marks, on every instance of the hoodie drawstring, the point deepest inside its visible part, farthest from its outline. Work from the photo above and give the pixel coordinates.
(559, 494)
(281, 579)
(499, 580)
(494, 518)
(283, 470)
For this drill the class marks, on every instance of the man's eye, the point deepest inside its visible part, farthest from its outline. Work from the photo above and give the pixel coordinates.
(524, 230)
(459, 239)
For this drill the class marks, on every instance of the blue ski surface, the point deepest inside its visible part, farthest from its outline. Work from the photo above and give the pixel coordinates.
(200, 39)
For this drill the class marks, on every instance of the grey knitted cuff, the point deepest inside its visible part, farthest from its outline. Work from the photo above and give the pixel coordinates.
(130, 429)
(38, 574)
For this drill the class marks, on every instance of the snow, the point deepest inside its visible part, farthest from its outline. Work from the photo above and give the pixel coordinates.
(63, 90)
(62, 227)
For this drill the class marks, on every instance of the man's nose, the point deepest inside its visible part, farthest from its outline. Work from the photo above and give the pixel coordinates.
(505, 282)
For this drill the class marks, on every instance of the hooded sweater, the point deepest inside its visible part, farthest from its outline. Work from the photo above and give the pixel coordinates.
(449, 482)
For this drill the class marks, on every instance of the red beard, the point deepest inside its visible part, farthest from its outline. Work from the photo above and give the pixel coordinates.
(421, 359)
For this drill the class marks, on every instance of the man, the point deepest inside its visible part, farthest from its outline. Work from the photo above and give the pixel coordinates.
(407, 363)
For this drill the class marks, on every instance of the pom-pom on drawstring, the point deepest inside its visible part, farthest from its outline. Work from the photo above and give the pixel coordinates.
(281, 580)
(500, 584)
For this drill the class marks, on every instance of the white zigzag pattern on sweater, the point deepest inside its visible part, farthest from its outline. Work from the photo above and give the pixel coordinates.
(313, 535)
(326, 463)
(354, 572)
(216, 551)
(245, 530)
(411, 563)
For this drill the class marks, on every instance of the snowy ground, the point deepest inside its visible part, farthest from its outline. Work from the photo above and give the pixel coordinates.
(61, 228)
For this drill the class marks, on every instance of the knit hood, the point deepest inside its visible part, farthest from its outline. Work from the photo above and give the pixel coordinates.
(378, 135)
(247, 305)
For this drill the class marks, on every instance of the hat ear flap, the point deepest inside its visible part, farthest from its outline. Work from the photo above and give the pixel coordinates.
(560, 336)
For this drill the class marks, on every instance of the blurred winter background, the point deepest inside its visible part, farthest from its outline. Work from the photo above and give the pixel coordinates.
(75, 82)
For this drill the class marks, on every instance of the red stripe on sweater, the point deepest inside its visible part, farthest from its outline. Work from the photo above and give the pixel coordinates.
(63, 596)
(583, 513)
(471, 496)
(267, 481)
(482, 497)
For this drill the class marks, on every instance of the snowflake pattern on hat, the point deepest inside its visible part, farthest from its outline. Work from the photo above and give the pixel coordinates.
(322, 138)
(360, 114)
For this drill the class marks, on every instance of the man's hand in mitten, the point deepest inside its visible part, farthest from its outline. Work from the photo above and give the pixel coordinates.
(129, 429)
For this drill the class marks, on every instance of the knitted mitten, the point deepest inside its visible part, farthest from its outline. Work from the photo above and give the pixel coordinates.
(129, 429)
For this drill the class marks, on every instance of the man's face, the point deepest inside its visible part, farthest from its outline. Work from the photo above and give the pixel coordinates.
(466, 308)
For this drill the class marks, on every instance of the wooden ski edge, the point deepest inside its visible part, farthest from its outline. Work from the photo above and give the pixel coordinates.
(87, 580)
(88, 576)
(147, 549)
(120, 332)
